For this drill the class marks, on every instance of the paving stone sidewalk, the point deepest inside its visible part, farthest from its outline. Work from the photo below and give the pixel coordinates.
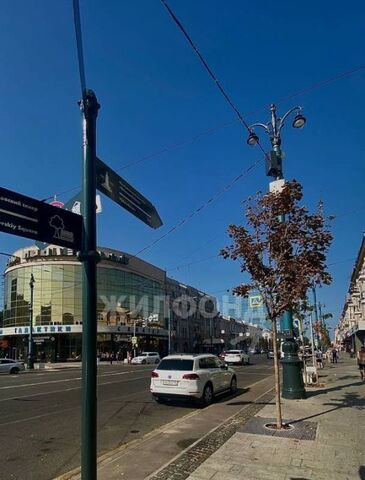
(333, 449)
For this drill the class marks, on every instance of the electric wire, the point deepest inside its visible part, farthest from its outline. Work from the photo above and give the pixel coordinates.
(192, 263)
(212, 130)
(210, 71)
(200, 208)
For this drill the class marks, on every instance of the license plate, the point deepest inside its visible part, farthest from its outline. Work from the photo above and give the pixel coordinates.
(169, 382)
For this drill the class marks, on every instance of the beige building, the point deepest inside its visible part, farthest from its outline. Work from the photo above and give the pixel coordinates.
(350, 330)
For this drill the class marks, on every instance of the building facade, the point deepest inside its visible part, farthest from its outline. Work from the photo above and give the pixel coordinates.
(350, 331)
(134, 299)
(250, 310)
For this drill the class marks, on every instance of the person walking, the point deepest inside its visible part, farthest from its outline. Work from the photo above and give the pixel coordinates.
(361, 362)
(319, 358)
(334, 355)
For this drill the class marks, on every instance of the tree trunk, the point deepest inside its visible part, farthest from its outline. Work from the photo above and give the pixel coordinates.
(279, 421)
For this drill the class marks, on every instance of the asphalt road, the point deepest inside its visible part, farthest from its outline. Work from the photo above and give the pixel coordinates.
(40, 415)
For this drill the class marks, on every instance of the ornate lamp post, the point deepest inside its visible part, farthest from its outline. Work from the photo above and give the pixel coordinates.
(293, 386)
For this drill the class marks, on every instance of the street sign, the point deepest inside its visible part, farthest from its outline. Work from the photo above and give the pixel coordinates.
(26, 217)
(74, 205)
(114, 187)
(134, 340)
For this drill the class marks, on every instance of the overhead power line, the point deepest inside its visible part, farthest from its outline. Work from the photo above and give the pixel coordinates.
(192, 263)
(210, 71)
(213, 130)
(202, 207)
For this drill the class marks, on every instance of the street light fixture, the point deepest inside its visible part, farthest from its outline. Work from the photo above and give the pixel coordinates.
(252, 139)
(273, 129)
(299, 121)
(293, 386)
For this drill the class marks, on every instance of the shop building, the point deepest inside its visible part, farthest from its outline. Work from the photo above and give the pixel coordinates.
(135, 299)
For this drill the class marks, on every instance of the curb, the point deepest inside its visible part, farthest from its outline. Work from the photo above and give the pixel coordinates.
(105, 456)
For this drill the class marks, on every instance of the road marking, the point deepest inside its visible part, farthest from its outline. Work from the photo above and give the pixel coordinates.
(36, 417)
(66, 390)
(65, 380)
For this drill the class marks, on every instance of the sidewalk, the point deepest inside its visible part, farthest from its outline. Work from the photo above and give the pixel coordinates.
(196, 432)
(327, 441)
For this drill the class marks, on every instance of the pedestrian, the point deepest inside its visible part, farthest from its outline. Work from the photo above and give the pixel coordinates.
(361, 361)
(334, 355)
(111, 355)
(319, 358)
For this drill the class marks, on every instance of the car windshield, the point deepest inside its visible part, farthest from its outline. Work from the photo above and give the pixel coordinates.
(143, 354)
(176, 364)
(233, 351)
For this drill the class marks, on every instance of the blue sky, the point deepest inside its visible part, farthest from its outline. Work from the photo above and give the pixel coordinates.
(154, 93)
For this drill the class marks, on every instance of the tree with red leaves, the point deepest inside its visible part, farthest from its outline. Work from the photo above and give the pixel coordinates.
(283, 248)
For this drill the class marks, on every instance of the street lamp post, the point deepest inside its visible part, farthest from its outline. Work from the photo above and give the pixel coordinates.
(30, 358)
(316, 318)
(30, 338)
(293, 386)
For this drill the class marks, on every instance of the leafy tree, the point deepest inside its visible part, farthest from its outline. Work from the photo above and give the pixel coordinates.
(283, 248)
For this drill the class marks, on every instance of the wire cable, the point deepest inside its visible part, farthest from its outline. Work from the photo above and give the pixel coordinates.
(199, 209)
(192, 263)
(212, 130)
(210, 71)
(80, 54)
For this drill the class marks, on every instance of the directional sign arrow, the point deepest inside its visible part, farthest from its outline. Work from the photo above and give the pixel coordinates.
(116, 188)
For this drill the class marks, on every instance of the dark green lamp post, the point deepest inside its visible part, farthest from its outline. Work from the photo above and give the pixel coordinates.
(30, 360)
(89, 258)
(293, 386)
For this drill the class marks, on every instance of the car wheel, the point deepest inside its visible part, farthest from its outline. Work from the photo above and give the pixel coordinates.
(233, 386)
(143, 362)
(14, 371)
(207, 397)
(157, 361)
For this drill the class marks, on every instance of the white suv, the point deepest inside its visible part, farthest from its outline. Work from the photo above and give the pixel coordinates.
(192, 377)
(146, 357)
(237, 357)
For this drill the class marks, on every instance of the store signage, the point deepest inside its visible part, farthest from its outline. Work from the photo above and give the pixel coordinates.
(122, 193)
(26, 217)
(53, 329)
(41, 329)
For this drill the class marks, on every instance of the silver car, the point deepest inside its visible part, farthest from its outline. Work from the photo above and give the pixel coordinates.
(7, 365)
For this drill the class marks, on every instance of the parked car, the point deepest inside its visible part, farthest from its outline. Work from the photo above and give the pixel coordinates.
(237, 357)
(270, 354)
(198, 377)
(11, 366)
(146, 357)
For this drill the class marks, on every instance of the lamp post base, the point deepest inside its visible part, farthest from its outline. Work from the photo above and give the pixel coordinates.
(30, 363)
(293, 385)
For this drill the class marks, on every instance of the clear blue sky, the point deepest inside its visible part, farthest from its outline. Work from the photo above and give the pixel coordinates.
(154, 93)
